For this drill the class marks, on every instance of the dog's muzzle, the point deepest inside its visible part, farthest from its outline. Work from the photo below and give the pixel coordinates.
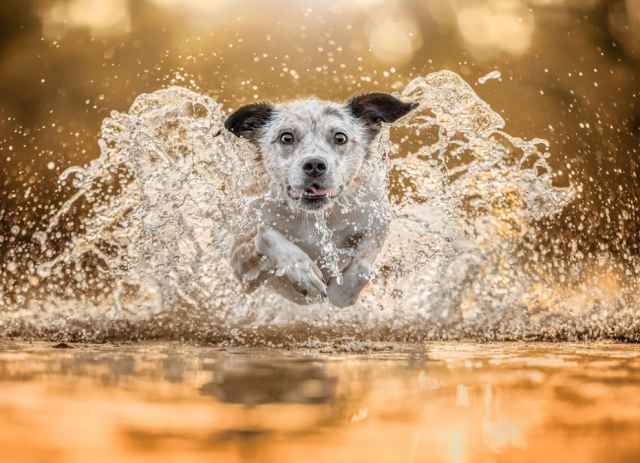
(313, 196)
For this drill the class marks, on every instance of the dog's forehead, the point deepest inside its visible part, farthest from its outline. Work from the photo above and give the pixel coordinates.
(312, 112)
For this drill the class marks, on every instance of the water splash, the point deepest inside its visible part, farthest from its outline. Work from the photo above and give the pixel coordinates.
(166, 196)
(493, 75)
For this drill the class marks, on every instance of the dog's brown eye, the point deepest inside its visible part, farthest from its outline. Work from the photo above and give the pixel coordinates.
(287, 138)
(340, 138)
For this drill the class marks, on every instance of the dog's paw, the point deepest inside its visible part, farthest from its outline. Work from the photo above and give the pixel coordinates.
(341, 297)
(292, 263)
(346, 292)
(304, 275)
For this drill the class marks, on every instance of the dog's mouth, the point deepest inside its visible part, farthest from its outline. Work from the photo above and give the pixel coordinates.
(313, 196)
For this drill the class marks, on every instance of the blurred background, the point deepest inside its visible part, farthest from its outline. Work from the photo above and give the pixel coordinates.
(567, 72)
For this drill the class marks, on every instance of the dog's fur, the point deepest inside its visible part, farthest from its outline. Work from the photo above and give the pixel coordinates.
(324, 194)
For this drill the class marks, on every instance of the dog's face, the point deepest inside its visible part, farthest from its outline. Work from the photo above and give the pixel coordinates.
(311, 149)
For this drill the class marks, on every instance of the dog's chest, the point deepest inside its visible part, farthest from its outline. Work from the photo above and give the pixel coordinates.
(330, 241)
(323, 240)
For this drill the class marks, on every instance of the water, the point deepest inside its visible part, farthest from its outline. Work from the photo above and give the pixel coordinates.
(493, 75)
(440, 402)
(123, 336)
(468, 255)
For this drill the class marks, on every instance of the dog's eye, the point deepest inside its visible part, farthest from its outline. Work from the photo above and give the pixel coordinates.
(287, 138)
(340, 138)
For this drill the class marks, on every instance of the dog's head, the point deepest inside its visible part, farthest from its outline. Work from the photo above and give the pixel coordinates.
(311, 149)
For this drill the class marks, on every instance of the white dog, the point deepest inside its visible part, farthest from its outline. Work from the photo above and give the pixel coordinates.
(317, 156)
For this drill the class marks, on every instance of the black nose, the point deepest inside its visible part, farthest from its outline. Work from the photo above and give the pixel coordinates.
(314, 167)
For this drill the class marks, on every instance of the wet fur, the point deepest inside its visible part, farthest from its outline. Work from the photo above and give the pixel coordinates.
(281, 244)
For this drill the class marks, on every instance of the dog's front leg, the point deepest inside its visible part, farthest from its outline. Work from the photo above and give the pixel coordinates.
(356, 275)
(271, 253)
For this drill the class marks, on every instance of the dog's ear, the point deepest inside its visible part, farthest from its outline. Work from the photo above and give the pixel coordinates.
(247, 121)
(375, 108)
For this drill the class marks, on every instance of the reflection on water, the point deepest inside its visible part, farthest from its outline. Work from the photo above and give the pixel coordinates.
(453, 403)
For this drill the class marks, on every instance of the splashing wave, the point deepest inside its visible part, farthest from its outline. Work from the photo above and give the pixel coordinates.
(463, 260)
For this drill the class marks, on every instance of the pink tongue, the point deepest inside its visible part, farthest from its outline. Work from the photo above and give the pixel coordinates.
(316, 191)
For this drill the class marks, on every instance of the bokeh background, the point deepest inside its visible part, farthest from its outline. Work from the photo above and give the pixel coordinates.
(569, 73)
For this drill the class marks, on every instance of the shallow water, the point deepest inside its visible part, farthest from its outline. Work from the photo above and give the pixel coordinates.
(437, 402)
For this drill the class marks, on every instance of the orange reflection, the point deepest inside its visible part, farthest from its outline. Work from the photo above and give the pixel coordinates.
(449, 403)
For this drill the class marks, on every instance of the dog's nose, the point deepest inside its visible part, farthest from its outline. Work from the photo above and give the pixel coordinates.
(314, 167)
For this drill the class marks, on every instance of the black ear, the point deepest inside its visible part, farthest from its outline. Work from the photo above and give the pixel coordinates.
(248, 120)
(375, 108)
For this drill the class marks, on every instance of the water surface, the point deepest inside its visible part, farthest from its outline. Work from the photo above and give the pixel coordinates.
(437, 402)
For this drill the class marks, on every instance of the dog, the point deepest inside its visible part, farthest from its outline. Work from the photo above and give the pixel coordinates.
(326, 196)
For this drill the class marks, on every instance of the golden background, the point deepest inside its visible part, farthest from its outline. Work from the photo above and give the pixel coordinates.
(569, 74)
